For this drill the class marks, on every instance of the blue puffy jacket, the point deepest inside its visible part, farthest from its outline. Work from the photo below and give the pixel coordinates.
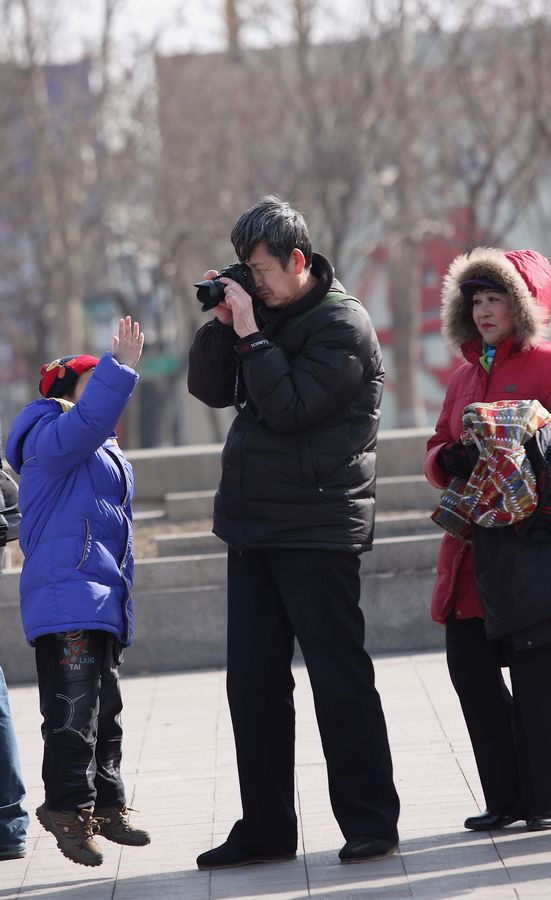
(75, 493)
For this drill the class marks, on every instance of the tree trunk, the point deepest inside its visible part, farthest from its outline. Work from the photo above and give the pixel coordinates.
(406, 299)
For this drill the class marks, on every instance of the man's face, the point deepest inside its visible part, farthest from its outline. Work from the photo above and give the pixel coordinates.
(275, 285)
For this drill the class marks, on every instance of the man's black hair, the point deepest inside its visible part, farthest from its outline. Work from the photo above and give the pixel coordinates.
(276, 223)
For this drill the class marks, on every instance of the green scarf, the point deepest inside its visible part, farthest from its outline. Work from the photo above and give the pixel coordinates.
(487, 358)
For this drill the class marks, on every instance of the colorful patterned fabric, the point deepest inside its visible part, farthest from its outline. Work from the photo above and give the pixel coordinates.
(502, 487)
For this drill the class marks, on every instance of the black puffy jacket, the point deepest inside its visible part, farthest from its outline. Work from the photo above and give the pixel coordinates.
(512, 565)
(298, 467)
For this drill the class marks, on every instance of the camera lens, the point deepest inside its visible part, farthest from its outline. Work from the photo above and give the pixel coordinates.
(210, 293)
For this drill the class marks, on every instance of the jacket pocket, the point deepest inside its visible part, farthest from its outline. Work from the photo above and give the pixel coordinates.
(87, 545)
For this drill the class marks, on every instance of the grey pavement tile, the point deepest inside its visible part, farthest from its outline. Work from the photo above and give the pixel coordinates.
(56, 890)
(321, 835)
(450, 859)
(180, 773)
(11, 893)
(381, 877)
(146, 889)
(492, 880)
(281, 880)
(541, 888)
(166, 796)
(443, 891)
(50, 863)
(518, 846)
(165, 847)
(535, 878)
(181, 819)
(186, 779)
(328, 870)
(376, 892)
(159, 867)
(261, 894)
(12, 875)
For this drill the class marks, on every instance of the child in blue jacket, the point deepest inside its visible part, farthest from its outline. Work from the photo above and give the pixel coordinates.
(75, 493)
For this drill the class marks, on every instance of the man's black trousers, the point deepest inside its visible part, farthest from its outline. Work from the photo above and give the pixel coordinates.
(80, 701)
(274, 595)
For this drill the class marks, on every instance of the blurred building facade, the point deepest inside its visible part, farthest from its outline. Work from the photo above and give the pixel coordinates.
(362, 136)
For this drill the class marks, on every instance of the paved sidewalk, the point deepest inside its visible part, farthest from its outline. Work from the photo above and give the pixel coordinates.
(180, 774)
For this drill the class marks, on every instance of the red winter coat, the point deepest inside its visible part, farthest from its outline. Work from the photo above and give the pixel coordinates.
(521, 370)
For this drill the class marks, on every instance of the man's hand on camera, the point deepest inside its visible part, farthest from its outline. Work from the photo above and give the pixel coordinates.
(128, 345)
(241, 305)
(223, 311)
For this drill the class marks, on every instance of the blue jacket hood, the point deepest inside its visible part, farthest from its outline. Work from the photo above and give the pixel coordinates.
(25, 421)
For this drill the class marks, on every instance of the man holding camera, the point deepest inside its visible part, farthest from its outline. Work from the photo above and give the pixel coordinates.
(301, 362)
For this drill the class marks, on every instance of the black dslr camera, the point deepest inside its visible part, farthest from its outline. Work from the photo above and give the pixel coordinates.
(211, 292)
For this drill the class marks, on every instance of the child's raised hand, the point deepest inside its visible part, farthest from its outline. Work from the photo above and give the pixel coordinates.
(128, 346)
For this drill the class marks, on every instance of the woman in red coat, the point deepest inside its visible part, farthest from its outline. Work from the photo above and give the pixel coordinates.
(495, 306)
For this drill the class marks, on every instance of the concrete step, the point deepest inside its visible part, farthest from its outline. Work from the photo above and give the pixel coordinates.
(394, 493)
(413, 553)
(159, 470)
(403, 523)
(389, 555)
(188, 543)
(149, 515)
(401, 451)
(187, 506)
(180, 606)
(398, 492)
(396, 609)
(167, 572)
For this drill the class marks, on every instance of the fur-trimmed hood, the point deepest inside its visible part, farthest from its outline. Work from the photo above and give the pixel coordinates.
(525, 273)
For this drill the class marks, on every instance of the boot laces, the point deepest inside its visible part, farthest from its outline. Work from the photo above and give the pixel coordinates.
(116, 815)
(90, 825)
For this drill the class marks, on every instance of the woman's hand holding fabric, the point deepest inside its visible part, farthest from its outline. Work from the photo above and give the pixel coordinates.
(454, 459)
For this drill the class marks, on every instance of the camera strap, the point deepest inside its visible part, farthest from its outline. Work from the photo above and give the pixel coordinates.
(239, 406)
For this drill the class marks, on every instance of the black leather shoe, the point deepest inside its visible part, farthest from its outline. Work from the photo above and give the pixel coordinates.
(539, 823)
(365, 849)
(229, 855)
(488, 820)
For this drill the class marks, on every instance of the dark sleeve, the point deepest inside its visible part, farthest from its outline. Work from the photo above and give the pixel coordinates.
(213, 365)
(458, 460)
(340, 351)
(442, 437)
(537, 527)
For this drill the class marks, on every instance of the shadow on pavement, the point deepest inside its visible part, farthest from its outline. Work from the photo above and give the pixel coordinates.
(430, 861)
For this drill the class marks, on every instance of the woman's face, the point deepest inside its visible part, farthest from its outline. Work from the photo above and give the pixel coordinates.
(492, 315)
